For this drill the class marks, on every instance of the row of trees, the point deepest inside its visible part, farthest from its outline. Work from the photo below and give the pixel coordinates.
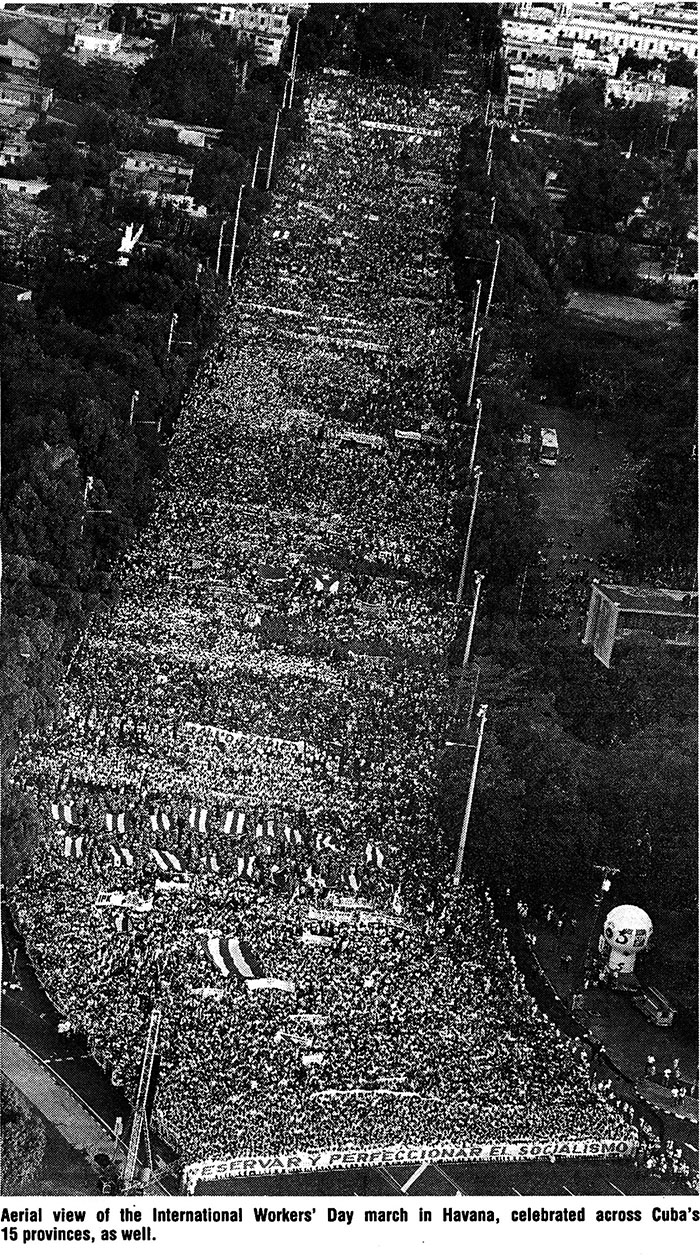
(96, 334)
(580, 765)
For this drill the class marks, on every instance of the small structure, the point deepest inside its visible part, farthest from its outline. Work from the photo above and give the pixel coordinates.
(626, 933)
(615, 612)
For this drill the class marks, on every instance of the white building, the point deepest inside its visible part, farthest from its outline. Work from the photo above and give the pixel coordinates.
(649, 31)
(648, 89)
(96, 43)
(266, 25)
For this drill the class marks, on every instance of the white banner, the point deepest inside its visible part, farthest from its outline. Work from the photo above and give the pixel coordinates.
(121, 899)
(399, 1154)
(346, 916)
(270, 984)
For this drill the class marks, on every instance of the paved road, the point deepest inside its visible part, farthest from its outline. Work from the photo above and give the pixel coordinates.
(29, 1016)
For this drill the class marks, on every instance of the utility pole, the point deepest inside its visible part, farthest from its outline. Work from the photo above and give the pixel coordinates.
(134, 399)
(476, 311)
(476, 359)
(284, 94)
(294, 63)
(608, 871)
(255, 168)
(173, 323)
(235, 233)
(493, 210)
(490, 143)
(139, 1124)
(476, 435)
(481, 717)
(272, 152)
(463, 573)
(473, 697)
(478, 577)
(493, 278)
(220, 243)
(489, 163)
(488, 106)
(88, 487)
(520, 600)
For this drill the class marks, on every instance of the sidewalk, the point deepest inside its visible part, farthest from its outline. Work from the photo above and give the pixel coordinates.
(55, 1101)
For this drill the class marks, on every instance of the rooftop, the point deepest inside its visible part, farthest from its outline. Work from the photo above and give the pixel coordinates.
(655, 601)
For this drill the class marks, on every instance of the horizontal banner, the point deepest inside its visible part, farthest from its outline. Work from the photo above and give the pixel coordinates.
(123, 899)
(350, 1158)
(270, 984)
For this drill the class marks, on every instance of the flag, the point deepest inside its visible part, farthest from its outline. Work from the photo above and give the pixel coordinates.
(63, 812)
(233, 957)
(123, 923)
(326, 582)
(273, 575)
(212, 862)
(160, 821)
(258, 831)
(374, 855)
(167, 862)
(246, 865)
(352, 879)
(198, 819)
(73, 846)
(122, 857)
(278, 876)
(271, 829)
(116, 822)
(313, 1058)
(396, 903)
(234, 818)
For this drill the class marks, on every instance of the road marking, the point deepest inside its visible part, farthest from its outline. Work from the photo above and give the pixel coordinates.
(416, 1174)
(449, 1180)
(389, 1177)
(616, 1189)
(692, 1147)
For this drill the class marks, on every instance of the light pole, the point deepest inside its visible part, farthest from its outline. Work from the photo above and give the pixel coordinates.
(463, 573)
(134, 399)
(481, 717)
(221, 241)
(476, 312)
(493, 210)
(608, 871)
(476, 435)
(476, 359)
(472, 620)
(88, 486)
(235, 233)
(489, 163)
(272, 152)
(173, 323)
(255, 168)
(493, 278)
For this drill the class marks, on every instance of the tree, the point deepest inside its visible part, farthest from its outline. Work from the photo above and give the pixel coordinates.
(23, 1138)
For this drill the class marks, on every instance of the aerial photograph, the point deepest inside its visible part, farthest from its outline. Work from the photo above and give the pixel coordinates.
(348, 384)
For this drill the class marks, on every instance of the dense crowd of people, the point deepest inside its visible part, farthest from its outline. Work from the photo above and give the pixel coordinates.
(249, 738)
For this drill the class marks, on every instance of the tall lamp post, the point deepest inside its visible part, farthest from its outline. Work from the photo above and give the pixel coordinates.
(463, 573)
(481, 717)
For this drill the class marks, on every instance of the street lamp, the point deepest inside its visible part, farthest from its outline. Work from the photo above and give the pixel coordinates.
(481, 717)
(463, 573)
(478, 577)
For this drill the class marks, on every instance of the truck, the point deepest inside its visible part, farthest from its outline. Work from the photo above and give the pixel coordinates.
(549, 446)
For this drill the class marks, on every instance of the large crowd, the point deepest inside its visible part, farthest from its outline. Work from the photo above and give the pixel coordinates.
(266, 703)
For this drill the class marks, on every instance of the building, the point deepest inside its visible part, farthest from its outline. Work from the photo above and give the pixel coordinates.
(22, 187)
(25, 93)
(616, 612)
(89, 43)
(649, 31)
(266, 26)
(160, 165)
(527, 82)
(197, 137)
(24, 42)
(649, 89)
